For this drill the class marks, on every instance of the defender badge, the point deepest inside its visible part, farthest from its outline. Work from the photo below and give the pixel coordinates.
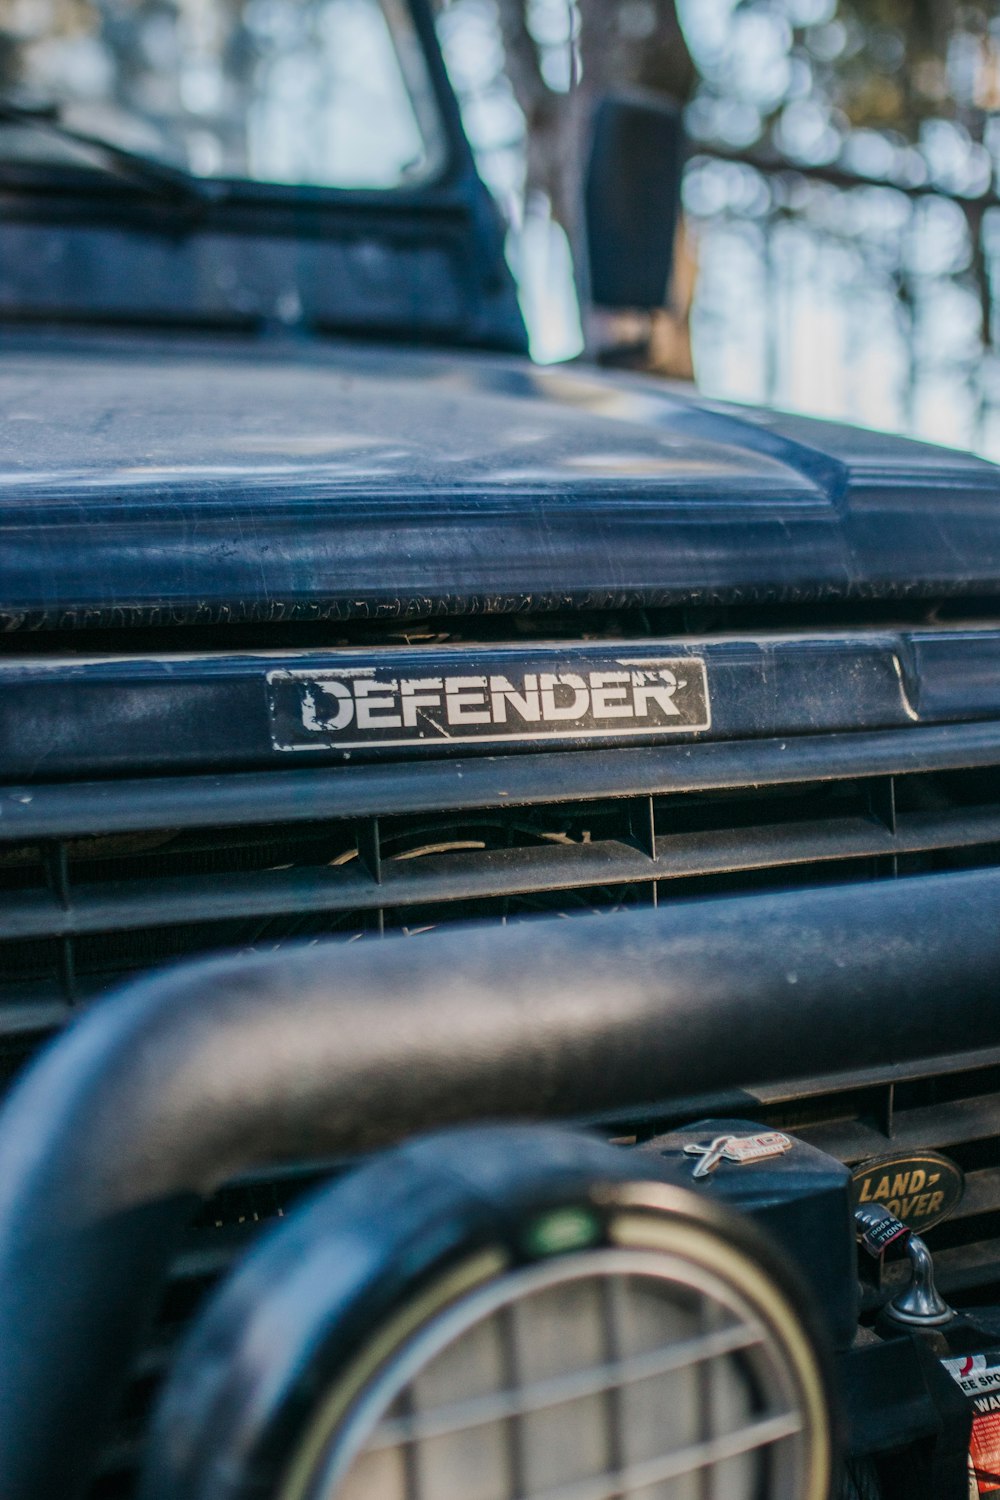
(737, 1148)
(486, 696)
(919, 1188)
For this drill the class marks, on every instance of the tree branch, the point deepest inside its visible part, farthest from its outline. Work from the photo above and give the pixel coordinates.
(524, 65)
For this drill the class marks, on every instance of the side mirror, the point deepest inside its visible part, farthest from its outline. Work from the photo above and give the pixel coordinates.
(632, 199)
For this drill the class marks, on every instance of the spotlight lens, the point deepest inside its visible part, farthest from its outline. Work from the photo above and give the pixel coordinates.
(614, 1372)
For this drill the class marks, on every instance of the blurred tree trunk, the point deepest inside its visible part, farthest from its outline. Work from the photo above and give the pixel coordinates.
(621, 44)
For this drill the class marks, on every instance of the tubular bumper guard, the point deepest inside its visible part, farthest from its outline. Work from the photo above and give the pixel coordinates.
(153, 1098)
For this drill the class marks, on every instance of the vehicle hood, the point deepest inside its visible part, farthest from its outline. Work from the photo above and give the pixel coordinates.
(162, 483)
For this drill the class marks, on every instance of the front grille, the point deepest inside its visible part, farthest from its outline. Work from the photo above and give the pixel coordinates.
(101, 882)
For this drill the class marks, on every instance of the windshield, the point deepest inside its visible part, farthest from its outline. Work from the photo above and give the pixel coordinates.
(332, 93)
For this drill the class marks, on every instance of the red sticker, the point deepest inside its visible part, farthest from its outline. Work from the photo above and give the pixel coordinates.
(978, 1375)
(984, 1455)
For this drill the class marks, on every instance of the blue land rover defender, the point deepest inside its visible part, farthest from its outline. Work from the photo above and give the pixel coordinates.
(500, 866)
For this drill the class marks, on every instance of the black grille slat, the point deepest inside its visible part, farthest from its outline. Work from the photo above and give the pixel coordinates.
(493, 872)
(937, 1126)
(366, 791)
(33, 1015)
(982, 1193)
(207, 1256)
(966, 1268)
(112, 908)
(960, 1273)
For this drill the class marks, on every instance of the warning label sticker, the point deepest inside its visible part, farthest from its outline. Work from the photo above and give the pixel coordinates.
(984, 1454)
(979, 1377)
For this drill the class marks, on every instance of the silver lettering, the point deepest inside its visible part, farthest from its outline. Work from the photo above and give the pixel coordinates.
(375, 712)
(610, 700)
(503, 692)
(466, 700)
(339, 719)
(417, 693)
(569, 682)
(662, 692)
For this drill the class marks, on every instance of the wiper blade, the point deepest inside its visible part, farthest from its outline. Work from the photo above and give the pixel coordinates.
(157, 177)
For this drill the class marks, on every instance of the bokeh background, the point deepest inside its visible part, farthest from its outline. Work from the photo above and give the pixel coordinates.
(842, 217)
(842, 230)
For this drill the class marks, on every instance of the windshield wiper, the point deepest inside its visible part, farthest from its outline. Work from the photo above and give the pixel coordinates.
(146, 172)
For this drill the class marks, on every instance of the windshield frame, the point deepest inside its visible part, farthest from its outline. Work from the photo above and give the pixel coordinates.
(419, 264)
(454, 165)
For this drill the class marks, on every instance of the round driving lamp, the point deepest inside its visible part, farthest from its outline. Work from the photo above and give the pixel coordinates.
(500, 1314)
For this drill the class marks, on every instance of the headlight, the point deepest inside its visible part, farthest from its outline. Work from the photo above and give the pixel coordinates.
(500, 1315)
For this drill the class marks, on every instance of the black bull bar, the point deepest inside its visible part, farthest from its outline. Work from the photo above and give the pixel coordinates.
(153, 1098)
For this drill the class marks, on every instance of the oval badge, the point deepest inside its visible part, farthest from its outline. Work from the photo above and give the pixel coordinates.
(921, 1188)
